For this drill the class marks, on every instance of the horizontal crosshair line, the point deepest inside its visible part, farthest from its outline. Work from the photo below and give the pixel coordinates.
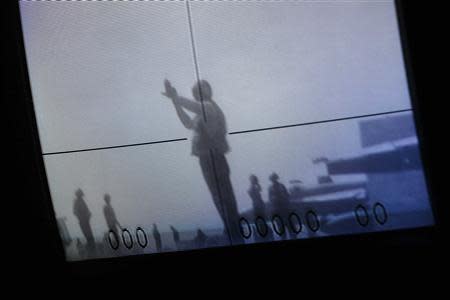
(321, 122)
(235, 132)
(114, 147)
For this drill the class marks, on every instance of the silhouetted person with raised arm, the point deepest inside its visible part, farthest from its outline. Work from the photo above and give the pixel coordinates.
(110, 216)
(176, 236)
(280, 199)
(83, 214)
(157, 237)
(210, 145)
(259, 209)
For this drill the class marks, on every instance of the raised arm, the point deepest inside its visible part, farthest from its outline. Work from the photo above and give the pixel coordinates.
(191, 105)
(171, 93)
(183, 116)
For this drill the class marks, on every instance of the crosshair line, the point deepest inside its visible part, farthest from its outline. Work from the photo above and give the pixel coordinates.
(194, 57)
(234, 132)
(115, 147)
(321, 121)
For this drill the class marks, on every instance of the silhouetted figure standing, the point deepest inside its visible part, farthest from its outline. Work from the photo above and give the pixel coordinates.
(176, 236)
(83, 214)
(110, 216)
(200, 239)
(259, 209)
(279, 197)
(210, 145)
(157, 237)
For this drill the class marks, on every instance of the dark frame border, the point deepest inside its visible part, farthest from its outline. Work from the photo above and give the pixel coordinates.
(39, 188)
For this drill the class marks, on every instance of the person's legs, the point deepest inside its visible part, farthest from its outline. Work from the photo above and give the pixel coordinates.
(208, 174)
(228, 197)
(217, 176)
(87, 232)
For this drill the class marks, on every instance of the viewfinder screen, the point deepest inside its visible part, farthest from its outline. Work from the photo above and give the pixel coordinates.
(176, 125)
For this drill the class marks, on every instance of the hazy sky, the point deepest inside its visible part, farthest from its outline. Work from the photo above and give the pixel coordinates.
(97, 70)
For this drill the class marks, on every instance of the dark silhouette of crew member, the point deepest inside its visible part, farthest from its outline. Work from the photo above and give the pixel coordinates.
(157, 237)
(176, 236)
(259, 210)
(83, 214)
(210, 145)
(200, 239)
(259, 207)
(110, 216)
(280, 199)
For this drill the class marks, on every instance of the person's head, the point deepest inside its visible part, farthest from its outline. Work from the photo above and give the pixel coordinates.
(202, 91)
(107, 198)
(79, 193)
(274, 177)
(253, 179)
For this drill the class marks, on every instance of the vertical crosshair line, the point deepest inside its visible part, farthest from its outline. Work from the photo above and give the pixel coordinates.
(194, 56)
(219, 193)
(211, 152)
